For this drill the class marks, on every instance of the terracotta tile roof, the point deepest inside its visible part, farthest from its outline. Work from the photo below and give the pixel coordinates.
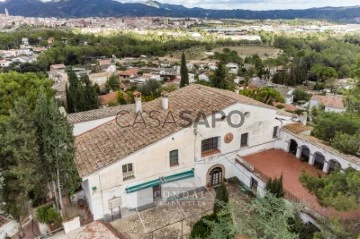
(97, 114)
(297, 127)
(110, 142)
(57, 66)
(128, 72)
(330, 101)
(287, 107)
(104, 62)
(108, 98)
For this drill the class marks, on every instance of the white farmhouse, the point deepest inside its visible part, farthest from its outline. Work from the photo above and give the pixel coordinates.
(331, 103)
(127, 164)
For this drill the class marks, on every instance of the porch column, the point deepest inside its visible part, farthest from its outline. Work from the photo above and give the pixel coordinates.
(326, 167)
(298, 153)
(311, 159)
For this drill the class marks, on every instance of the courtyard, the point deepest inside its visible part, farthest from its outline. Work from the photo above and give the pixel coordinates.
(174, 219)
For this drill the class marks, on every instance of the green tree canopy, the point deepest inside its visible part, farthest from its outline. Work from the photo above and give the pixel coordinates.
(266, 95)
(338, 189)
(14, 85)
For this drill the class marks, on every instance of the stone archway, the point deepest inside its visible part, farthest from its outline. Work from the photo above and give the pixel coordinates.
(319, 160)
(215, 175)
(305, 153)
(293, 147)
(334, 165)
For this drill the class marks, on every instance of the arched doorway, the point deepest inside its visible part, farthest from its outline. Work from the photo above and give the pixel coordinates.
(293, 147)
(334, 165)
(305, 153)
(216, 176)
(319, 160)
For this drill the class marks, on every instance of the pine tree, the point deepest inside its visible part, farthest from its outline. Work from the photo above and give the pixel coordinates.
(221, 78)
(20, 161)
(184, 72)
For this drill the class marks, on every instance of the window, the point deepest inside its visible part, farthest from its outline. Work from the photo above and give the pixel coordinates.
(174, 158)
(244, 139)
(128, 172)
(275, 132)
(209, 145)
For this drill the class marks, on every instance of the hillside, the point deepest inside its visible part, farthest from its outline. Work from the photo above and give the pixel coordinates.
(110, 8)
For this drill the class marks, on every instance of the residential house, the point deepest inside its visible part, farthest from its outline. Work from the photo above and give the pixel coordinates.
(136, 165)
(168, 74)
(287, 93)
(331, 103)
(203, 77)
(58, 73)
(129, 73)
(99, 78)
(58, 68)
(60, 88)
(191, 78)
(232, 68)
(4, 63)
(196, 156)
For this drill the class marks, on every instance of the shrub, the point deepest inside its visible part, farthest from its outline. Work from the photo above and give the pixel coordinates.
(47, 214)
(275, 187)
(201, 229)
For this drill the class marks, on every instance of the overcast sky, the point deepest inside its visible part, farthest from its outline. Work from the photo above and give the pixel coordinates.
(259, 4)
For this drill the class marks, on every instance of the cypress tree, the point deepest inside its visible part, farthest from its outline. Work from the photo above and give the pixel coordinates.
(222, 197)
(184, 72)
(72, 97)
(275, 186)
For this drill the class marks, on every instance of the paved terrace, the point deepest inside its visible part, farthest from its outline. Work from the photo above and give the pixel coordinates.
(170, 221)
(274, 162)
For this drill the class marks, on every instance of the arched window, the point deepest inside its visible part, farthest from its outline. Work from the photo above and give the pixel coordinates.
(334, 165)
(305, 153)
(216, 176)
(319, 160)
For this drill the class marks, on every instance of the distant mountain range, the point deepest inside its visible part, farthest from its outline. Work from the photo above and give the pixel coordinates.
(110, 8)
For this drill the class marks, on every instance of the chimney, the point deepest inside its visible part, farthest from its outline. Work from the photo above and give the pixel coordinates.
(165, 100)
(137, 97)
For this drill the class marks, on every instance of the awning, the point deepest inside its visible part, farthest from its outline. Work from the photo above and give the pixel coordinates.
(179, 176)
(142, 186)
(162, 180)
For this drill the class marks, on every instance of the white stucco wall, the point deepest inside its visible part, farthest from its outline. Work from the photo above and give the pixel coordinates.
(8, 229)
(284, 142)
(152, 162)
